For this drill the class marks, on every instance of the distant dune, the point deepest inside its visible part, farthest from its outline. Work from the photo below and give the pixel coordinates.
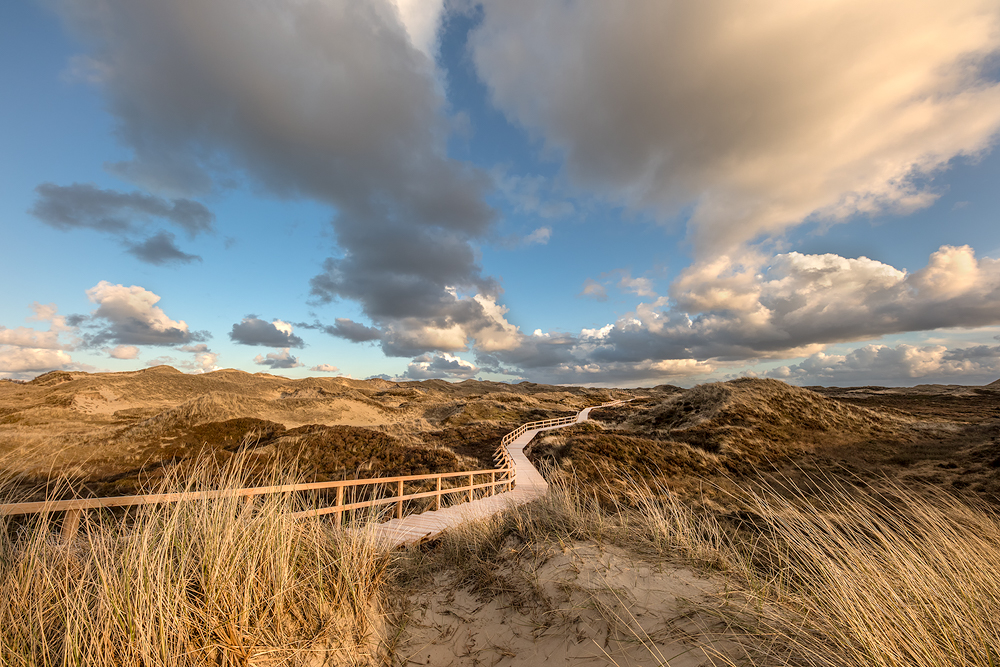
(108, 429)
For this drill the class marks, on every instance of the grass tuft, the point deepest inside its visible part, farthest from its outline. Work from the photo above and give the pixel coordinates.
(223, 582)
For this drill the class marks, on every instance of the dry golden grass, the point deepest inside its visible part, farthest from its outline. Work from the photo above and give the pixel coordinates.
(887, 578)
(223, 582)
(847, 576)
(852, 578)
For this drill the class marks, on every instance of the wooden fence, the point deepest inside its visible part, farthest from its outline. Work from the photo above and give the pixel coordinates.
(501, 477)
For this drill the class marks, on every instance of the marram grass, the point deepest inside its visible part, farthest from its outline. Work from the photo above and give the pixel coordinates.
(222, 582)
(850, 577)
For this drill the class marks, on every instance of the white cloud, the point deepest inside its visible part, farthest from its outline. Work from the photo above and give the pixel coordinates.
(47, 312)
(27, 359)
(27, 350)
(27, 337)
(755, 114)
(794, 304)
(442, 365)
(640, 286)
(133, 318)
(902, 364)
(324, 368)
(724, 313)
(277, 360)
(204, 359)
(496, 333)
(421, 18)
(123, 352)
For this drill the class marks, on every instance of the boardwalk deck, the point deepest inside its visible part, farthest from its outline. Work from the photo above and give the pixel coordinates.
(528, 485)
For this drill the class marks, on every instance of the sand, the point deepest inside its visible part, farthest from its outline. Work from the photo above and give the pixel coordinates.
(594, 605)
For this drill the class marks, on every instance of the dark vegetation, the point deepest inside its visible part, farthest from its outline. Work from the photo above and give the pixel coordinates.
(706, 441)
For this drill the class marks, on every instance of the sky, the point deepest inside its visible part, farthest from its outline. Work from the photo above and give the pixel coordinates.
(568, 192)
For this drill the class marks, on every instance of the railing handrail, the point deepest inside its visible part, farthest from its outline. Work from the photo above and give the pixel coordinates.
(74, 506)
(35, 507)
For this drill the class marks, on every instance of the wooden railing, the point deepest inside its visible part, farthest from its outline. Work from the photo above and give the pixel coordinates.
(72, 509)
(501, 477)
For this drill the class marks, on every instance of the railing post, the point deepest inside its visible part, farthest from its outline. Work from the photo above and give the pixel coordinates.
(71, 522)
(470, 488)
(399, 503)
(493, 483)
(437, 498)
(340, 503)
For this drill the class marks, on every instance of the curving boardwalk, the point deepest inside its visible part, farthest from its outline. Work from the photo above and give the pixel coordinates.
(528, 485)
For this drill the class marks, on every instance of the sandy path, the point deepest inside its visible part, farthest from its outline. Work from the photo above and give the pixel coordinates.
(592, 606)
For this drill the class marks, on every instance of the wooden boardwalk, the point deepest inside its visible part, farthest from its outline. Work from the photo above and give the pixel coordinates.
(528, 485)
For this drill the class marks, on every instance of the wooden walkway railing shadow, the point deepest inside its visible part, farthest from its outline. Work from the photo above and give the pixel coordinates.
(517, 480)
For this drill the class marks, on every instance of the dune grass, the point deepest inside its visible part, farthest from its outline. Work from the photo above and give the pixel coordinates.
(886, 577)
(844, 576)
(222, 582)
(849, 576)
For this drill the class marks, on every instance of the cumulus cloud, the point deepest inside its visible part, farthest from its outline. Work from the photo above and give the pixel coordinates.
(347, 329)
(160, 249)
(255, 331)
(533, 354)
(83, 205)
(28, 337)
(640, 286)
(324, 368)
(123, 352)
(204, 359)
(277, 360)
(792, 305)
(336, 101)
(27, 359)
(757, 115)
(421, 19)
(593, 290)
(479, 319)
(902, 364)
(130, 316)
(442, 365)
(47, 312)
(28, 350)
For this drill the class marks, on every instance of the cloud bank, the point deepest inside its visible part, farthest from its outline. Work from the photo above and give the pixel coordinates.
(336, 101)
(791, 305)
(757, 115)
(901, 364)
(28, 350)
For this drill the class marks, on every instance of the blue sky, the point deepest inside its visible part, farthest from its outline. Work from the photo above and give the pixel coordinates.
(586, 193)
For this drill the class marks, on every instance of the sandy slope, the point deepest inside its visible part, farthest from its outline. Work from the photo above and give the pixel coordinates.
(592, 605)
